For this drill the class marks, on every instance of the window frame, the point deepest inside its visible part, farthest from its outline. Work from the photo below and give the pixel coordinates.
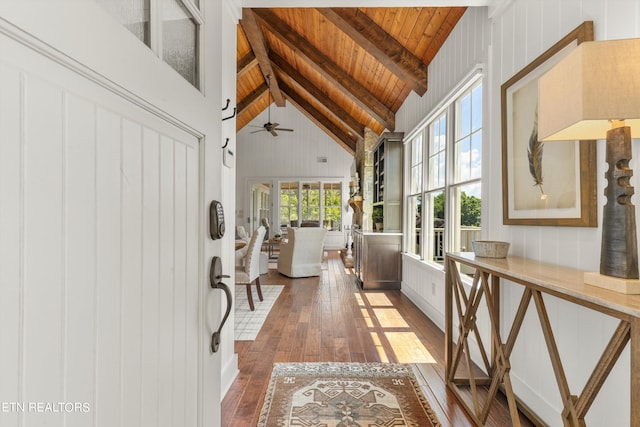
(447, 108)
(321, 206)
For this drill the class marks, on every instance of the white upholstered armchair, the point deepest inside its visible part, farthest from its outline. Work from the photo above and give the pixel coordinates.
(301, 256)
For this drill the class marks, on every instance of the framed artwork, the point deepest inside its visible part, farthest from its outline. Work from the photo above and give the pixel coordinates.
(551, 183)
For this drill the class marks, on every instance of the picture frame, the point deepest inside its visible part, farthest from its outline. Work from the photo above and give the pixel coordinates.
(551, 183)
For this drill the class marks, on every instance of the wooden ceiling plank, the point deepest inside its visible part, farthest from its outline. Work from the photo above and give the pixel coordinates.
(252, 98)
(245, 63)
(381, 45)
(444, 28)
(256, 40)
(313, 91)
(319, 119)
(360, 95)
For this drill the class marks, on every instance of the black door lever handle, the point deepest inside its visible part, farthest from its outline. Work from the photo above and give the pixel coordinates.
(216, 277)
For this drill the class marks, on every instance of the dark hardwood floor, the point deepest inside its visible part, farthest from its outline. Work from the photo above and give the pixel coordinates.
(328, 318)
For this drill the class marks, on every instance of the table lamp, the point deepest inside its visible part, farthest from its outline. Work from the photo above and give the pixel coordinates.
(594, 93)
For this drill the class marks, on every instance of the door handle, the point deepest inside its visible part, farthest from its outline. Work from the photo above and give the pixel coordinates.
(216, 277)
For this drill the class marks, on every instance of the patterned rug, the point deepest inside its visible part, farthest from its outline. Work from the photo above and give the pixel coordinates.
(345, 395)
(248, 323)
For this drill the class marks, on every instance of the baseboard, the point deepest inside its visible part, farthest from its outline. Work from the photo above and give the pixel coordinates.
(229, 373)
(534, 401)
(437, 317)
(429, 310)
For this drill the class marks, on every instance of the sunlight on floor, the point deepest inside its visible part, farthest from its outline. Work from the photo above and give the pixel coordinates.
(390, 318)
(408, 348)
(390, 332)
(378, 299)
(379, 347)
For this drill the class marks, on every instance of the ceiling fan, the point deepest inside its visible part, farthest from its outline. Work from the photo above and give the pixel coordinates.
(271, 127)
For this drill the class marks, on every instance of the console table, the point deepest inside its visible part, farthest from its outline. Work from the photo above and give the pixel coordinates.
(537, 278)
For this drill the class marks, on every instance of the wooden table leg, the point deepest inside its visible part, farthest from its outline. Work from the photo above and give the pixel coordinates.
(448, 319)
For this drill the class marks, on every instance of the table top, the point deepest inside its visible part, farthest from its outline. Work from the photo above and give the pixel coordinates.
(561, 281)
(274, 242)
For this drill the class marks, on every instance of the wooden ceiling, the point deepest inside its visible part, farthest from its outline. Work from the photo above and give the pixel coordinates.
(343, 68)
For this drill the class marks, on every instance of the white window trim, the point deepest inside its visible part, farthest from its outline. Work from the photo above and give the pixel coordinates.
(447, 103)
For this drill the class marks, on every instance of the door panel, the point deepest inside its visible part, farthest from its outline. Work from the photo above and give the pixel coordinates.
(99, 238)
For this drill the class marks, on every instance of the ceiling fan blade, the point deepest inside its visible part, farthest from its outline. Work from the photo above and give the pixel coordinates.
(273, 132)
(274, 125)
(259, 130)
(284, 130)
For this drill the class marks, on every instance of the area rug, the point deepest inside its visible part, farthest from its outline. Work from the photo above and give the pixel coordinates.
(247, 322)
(345, 394)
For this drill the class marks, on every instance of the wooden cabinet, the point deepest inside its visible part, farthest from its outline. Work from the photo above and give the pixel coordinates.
(387, 179)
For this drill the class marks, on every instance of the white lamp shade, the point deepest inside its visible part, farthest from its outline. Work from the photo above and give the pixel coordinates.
(597, 82)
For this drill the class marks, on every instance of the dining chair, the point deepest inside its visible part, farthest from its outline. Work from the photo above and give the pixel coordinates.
(249, 272)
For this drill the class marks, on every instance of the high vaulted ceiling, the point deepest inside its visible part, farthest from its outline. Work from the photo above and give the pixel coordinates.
(344, 68)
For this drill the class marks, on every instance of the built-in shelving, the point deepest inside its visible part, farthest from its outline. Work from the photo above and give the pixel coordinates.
(387, 179)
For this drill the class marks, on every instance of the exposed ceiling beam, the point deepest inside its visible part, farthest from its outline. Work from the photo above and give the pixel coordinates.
(313, 91)
(252, 98)
(377, 42)
(327, 68)
(256, 41)
(246, 63)
(319, 119)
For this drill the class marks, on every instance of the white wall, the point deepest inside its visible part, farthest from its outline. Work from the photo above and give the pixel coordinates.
(511, 39)
(291, 155)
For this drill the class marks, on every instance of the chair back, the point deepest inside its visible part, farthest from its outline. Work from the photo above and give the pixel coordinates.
(301, 256)
(252, 258)
(241, 233)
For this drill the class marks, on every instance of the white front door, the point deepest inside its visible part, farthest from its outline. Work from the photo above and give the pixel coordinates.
(100, 295)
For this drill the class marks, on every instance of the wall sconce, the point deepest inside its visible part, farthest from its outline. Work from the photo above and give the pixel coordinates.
(594, 93)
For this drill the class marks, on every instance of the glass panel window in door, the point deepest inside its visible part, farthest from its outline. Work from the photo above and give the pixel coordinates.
(132, 14)
(180, 40)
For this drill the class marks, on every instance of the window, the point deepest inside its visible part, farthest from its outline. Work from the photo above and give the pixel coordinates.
(435, 186)
(177, 42)
(134, 15)
(448, 200)
(288, 204)
(312, 204)
(332, 206)
(414, 208)
(465, 189)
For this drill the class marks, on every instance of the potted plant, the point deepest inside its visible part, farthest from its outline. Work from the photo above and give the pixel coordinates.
(377, 217)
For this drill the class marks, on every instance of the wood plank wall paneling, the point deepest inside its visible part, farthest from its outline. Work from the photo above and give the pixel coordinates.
(43, 306)
(99, 232)
(11, 247)
(80, 264)
(464, 49)
(520, 33)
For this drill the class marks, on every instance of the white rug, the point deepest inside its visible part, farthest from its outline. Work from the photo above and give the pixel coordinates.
(247, 322)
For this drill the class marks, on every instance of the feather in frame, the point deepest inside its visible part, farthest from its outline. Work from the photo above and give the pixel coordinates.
(534, 153)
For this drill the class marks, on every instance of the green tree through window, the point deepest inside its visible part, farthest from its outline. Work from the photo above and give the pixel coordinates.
(470, 209)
